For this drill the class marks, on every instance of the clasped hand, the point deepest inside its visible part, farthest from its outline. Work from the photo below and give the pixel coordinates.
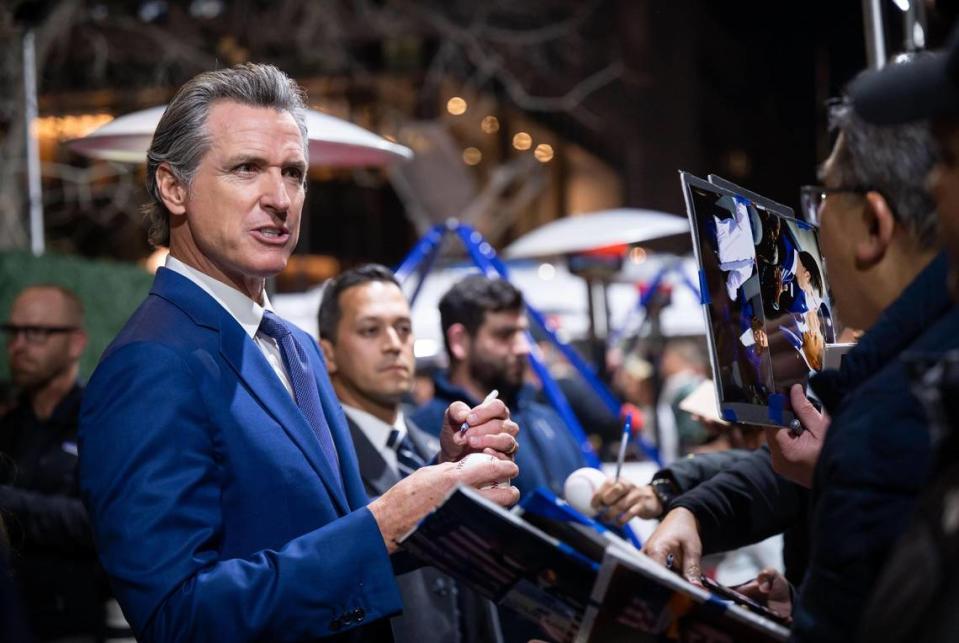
(491, 431)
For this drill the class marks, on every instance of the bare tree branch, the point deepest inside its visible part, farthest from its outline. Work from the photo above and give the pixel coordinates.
(545, 34)
(490, 64)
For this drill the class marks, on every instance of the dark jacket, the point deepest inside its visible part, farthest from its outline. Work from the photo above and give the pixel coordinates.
(746, 502)
(916, 595)
(872, 465)
(694, 469)
(875, 458)
(547, 451)
(435, 608)
(55, 564)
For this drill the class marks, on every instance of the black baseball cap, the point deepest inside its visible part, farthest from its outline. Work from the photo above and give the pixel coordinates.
(926, 87)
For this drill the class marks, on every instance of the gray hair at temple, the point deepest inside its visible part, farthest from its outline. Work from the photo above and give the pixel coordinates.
(181, 138)
(892, 160)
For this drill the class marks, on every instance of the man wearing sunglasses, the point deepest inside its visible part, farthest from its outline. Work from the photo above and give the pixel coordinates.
(54, 562)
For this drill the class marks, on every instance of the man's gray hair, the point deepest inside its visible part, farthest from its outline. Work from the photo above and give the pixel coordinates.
(893, 161)
(181, 139)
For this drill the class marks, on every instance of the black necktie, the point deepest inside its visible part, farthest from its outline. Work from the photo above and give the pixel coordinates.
(304, 385)
(407, 459)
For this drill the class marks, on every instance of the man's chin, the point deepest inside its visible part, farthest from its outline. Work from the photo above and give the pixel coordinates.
(270, 262)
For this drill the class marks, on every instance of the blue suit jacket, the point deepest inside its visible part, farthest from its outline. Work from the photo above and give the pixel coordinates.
(214, 510)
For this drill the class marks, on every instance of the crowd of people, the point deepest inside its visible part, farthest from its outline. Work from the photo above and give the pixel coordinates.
(223, 476)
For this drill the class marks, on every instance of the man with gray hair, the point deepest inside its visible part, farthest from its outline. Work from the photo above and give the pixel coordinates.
(215, 461)
(878, 236)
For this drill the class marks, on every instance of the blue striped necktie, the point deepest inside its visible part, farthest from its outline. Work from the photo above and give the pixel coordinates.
(407, 459)
(304, 385)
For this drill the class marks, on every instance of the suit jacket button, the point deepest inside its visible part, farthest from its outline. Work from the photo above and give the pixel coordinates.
(359, 615)
(439, 587)
(336, 624)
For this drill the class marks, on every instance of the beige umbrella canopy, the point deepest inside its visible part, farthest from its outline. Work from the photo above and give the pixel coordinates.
(657, 231)
(333, 141)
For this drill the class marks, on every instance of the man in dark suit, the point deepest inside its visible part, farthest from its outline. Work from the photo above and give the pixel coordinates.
(367, 339)
(215, 462)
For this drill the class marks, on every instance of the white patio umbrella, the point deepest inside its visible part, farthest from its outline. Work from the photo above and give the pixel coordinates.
(656, 231)
(333, 141)
(581, 233)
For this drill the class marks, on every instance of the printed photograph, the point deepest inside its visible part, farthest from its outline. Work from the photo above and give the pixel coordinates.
(729, 229)
(769, 311)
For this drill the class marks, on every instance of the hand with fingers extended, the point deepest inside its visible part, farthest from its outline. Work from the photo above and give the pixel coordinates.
(409, 500)
(770, 588)
(676, 544)
(489, 430)
(620, 501)
(795, 453)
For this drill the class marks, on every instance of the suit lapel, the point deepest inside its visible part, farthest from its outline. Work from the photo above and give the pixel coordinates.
(374, 470)
(336, 419)
(426, 445)
(251, 367)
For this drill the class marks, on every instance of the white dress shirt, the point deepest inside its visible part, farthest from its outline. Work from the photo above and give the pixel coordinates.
(244, 310)
(378, 432)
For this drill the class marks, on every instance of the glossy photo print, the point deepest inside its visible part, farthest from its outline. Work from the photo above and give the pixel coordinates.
(765, 296)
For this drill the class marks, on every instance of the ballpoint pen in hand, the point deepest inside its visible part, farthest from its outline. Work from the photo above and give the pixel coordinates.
(489, 398)
(622, 445)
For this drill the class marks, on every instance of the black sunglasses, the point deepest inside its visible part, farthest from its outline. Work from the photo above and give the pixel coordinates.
(33, 334)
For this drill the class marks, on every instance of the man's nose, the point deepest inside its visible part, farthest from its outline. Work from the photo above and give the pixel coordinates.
(521, 344)
(276, 192)
(393, 342)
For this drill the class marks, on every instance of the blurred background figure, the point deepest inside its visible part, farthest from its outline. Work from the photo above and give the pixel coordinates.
(54, 561)
(484, 329)
(683, 366)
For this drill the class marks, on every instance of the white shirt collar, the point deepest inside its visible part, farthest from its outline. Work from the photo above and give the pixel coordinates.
(373, 427)
(247, 312)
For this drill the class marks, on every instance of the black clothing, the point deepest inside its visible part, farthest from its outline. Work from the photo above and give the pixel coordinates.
(875, 459)
(54, 563)
(690, 471)
(746, 502)
(916, 595)
(873, 462)
(435, 607)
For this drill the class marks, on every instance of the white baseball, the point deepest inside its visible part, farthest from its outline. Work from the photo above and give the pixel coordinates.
(581, 486)
(479, 459)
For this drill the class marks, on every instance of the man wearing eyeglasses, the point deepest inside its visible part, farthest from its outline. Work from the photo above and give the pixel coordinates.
(55, 562)
(879, 236)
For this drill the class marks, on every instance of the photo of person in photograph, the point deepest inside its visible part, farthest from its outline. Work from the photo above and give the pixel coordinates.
(767, 299)
(754, 347)
(734, 243)
(728, 228)
(799, 322)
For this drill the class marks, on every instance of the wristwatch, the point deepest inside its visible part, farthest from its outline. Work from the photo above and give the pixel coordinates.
(665, 490)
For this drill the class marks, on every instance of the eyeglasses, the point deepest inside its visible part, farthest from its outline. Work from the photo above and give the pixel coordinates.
(33, 334)
(812, 196)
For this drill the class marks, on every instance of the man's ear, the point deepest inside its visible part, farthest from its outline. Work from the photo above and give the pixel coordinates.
(172, 191)
(458, 341)
(880, 226)
(328, 353)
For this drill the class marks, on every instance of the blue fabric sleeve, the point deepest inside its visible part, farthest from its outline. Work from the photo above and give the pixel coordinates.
(152, 478)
